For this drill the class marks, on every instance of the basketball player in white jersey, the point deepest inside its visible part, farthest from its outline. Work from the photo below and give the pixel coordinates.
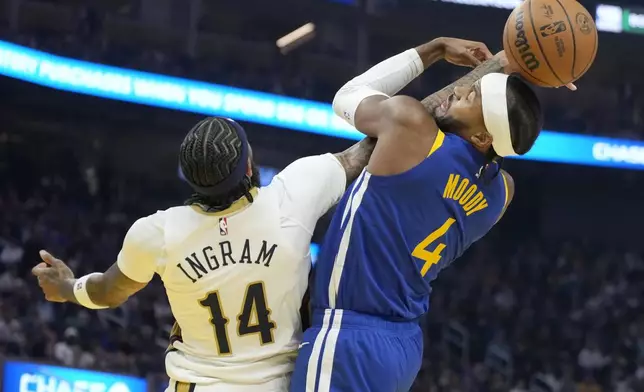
(234, 260)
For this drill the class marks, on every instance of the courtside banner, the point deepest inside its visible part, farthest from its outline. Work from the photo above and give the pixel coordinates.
(33, 377)
(284, 112)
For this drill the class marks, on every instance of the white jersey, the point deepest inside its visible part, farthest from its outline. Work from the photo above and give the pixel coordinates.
(235, 279)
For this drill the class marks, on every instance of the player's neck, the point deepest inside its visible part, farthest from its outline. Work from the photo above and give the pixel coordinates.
(234, 207)
(480, 154)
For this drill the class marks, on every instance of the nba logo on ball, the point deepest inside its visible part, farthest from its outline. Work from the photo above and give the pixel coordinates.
(223, 226)
(552, 28)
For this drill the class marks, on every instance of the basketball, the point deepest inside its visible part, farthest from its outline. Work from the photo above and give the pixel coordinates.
(551, 42)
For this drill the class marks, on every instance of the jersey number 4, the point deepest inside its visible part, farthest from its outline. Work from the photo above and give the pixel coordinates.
(432, 257)
(254, 317)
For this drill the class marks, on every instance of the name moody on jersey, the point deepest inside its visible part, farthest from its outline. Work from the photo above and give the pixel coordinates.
(210, 258)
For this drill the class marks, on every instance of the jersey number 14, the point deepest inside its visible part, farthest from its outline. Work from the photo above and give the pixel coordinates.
(253, 306)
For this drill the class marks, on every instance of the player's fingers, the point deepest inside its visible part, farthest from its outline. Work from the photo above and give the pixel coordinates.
(485, 52)
(480, 56)
(39, 269)
(471, 59)
(570, 86)
(49, 259)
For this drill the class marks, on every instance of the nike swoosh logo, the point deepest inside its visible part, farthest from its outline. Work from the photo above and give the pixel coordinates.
(302, 345)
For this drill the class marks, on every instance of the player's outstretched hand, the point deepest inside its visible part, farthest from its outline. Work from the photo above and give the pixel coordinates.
(508, 68)
(465, 53)
(51, 274)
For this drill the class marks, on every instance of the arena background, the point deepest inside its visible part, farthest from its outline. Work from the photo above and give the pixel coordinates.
(550, 300)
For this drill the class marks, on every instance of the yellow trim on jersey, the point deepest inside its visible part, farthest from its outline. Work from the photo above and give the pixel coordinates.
(507, 191)
(505, 201)
(175, 335)
(175, 332)
(184, 387)
(438, 142)
(237, 206)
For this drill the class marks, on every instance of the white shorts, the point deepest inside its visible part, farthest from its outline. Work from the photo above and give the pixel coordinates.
(277, 385)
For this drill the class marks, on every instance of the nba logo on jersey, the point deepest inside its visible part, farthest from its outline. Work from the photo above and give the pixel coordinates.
(223, 226)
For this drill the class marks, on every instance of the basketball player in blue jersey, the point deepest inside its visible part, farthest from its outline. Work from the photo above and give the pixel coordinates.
(433, 186)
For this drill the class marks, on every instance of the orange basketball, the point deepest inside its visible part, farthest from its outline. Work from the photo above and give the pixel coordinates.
(552, 42)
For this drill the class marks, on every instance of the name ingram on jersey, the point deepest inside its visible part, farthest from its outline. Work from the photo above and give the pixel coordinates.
(199, 264)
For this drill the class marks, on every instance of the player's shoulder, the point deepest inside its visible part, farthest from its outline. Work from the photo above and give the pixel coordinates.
(508, 183)
(508, 178)
(152, 222)
(301, 172)
(178, 216)
(158, 219)
(405, 107)
(161, 214)
(146, 233)
(454, 141)
(449, 147)
(409, 112)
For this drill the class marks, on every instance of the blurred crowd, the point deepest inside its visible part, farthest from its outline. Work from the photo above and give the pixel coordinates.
(82, 219)
(537, 316)
(520, 316)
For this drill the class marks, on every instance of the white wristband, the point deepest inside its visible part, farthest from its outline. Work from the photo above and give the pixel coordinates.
(80, 292)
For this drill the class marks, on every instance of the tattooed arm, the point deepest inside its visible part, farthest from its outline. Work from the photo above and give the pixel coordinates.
(355, 158)
(498, 63)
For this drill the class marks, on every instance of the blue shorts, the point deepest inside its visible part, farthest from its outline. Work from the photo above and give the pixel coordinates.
(345, 351)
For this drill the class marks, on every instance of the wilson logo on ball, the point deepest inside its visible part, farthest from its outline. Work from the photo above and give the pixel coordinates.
(522, 45)
(553, 28)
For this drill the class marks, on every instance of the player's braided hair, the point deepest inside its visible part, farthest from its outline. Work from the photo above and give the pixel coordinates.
(211, 153)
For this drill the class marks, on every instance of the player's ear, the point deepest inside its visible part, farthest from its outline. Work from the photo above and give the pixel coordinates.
(481, 139)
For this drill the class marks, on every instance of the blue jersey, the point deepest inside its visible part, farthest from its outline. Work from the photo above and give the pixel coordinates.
(392, 235)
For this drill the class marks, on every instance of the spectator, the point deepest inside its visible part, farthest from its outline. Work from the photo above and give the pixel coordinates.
(591, 358)
(66, 350)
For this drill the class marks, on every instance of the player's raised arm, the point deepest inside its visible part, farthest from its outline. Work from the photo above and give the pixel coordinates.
(498, 63)
(366, 99)
(403, 126)
(133, 270)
